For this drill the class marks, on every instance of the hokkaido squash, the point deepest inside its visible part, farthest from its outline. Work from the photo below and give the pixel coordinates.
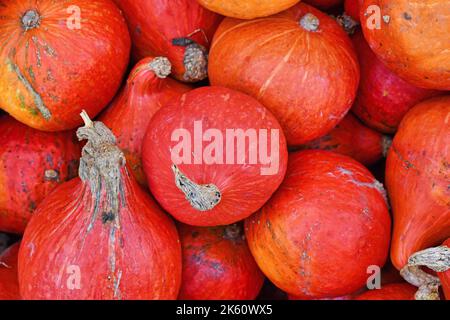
(323, 4)
(411, 37)
(58, 57)
(383, 98)
(417, 175)
(352, 8)
(32, 164)
(248, 9)
(148, 88)
(100, 236)
(180, 30)
(214, 156)
(329, 210)
(393, 291)
(353, 139)
(9, 285)
(300, 64)
(217, 264)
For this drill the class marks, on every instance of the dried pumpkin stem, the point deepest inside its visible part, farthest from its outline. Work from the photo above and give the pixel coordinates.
(30, 20)
(310, 22)
(161, 66)
(437, 259)
(201, 197)
(347, 23)
(195, 59)
(100, 166)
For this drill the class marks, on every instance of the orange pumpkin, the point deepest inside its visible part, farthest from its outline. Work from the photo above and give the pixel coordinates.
(300, 64)
(417, 178)
(412, 38)
(247, 9)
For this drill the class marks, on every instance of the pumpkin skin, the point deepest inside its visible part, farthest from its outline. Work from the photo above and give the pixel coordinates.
(50, 72)
(111, 243)
(323, 4)
(248, 9)
(352, 8)
(243, 188)
(146, 91)
(417, 174)
(353, 139)
(9, 285)
(217, 265)
(393, 291)
(445, 277)
(412, 39)
(328, 210)
(265, 58)
(383, 98)
(32, 164)
(154, 24)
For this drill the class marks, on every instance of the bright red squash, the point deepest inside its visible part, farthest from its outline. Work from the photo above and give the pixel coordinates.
(393, 291)
(329, 210)
(411, 37)
(248, 9)
(300, 64)
(148, 88)
(214, 157)
(57, 58)
(352, 8)
(353, 139)
(180, 30)
(417, 175)
(383, 97)
(217, 264)
(32, 164)
(9, 285)
(100, 236)
(324, 4)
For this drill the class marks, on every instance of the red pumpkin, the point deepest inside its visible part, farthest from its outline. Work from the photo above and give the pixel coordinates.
(353, 139)
(383, 98)
(265, 58)
(220, 156)
(417, 176)
(393, 291)
(217, 265)
(352, 8)
(100, 236)
(180, 30)
(32, 164)
(9, 285)
(248, 9)
(70, 56)
(323, 4)
(411, 38)
(145, 92)
(329, 210)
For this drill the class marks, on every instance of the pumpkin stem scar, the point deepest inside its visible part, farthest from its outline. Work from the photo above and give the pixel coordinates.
(201, 197)
(195, 59)
(36, 97)
(310, 22)
(436, 259)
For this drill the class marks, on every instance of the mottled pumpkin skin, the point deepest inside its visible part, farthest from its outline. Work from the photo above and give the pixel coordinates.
(154, 24)
(9, 285)
(32, 164)
(393, 291)
(383, 97)
(248, 9)
(131, 111)
(445, 277)
(139, 259)
(353, 139)
(352, 8)
(417, 175)
(329, 210)
(243, 187)
(412, 39)
(217, 265)
(307, 79)
(323, 4)
(48, 74)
